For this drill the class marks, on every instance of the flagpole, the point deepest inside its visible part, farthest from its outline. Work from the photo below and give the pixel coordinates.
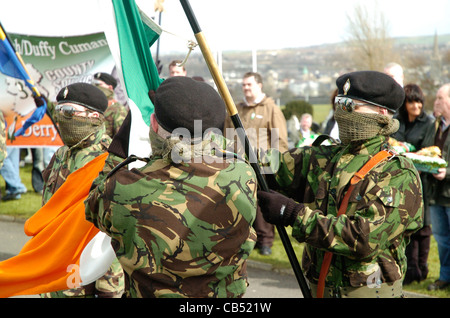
(158, 42)
(232, 110)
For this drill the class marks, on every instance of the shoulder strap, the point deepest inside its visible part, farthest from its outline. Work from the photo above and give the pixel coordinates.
(321, 138)
(127, 161)
(357, 177)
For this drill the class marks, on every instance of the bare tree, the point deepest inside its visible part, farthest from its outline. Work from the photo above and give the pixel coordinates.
(369, 39)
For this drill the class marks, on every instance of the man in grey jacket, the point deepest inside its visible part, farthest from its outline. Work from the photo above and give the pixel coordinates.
(440, 188)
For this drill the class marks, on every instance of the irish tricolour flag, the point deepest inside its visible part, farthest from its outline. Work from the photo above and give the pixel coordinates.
(130, 35)
(65, 250)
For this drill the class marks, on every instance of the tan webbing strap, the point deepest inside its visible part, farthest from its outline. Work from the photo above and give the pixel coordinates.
(379, 157)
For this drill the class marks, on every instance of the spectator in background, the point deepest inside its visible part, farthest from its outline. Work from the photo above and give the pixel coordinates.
(37, 182)
(176, 70)
(415, 125)
(439, 187)
(395, 71)
(11, 173)
(198, 78)
(2, 139)
(121, 96)
(307, 136)
(293, 131)
(437, 110)
(266, 128)
(116, 112)
(331, 127)
(39, 156)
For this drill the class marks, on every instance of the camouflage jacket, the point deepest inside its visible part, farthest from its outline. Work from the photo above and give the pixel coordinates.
(66, 160)
(179, 229)
(2, 139)
(114, 115)
(385, 208)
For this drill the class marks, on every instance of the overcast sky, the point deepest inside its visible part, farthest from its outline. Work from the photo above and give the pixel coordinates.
(233, 24)
(246, 24)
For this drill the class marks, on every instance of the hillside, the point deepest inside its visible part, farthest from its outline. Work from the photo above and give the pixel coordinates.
(309, 72)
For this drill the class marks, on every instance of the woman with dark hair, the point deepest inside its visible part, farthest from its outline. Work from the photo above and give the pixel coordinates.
(415, 124)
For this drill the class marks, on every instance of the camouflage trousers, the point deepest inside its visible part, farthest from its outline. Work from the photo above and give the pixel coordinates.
(110, 285)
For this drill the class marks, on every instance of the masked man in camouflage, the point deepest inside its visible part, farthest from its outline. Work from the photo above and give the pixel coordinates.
(79, 115)
(116, 112)
(181, 225)
(365, 243)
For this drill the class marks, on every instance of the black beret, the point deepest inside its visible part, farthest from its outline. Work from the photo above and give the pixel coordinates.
(83, 94)
(107, 78)
(180, 100)
(372, 87)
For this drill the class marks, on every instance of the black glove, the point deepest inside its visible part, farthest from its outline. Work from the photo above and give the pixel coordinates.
(40, 100)
(277, 208)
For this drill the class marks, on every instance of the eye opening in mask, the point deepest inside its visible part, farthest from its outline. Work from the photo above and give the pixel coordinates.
(69, 111)
(348, 104)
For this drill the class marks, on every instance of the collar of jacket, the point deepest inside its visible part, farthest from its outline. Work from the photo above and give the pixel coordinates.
(211, 144)
(403, 116)
(257, 101)
(368, 146)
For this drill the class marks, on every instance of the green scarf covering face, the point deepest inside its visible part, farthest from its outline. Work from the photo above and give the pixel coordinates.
(354, 126)
(176, 149)
(75, 129)
(108, 93)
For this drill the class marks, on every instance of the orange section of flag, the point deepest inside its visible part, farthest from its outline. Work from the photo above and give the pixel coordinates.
(60, 233)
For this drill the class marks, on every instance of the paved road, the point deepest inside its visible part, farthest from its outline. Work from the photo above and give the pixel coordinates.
(12, 238)
(264, 282)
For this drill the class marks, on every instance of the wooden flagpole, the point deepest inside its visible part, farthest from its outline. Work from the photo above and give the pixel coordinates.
(232, 110)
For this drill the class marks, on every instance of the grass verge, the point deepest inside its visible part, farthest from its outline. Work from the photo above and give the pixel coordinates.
(29, 202)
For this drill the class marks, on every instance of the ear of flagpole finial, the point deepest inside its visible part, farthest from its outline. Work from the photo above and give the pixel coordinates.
(191, 46)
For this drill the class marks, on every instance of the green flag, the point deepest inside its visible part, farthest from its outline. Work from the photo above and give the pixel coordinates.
(130, 34)
(136, 33)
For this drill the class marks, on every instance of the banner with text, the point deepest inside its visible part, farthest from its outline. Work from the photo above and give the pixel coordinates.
(53, 62)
